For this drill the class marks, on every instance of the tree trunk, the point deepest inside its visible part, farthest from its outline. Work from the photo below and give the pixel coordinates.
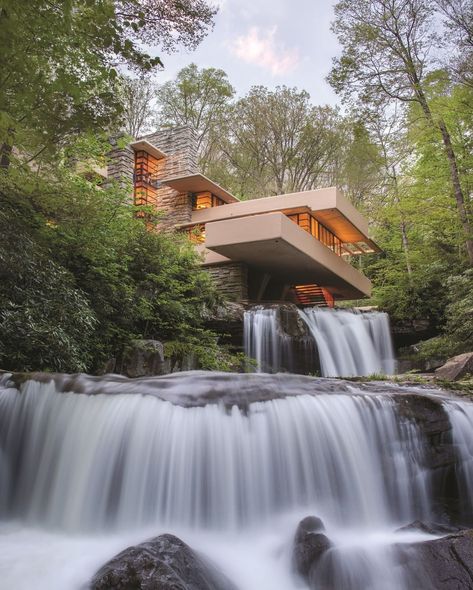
(5, 156)
(405, 247)
(457, 189)
(6, 149)
(454, 175)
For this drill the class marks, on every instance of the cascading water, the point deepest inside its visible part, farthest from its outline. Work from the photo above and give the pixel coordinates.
(228, 462)
(142, 459)
(461, 418)
(264, 341)
(349, 343)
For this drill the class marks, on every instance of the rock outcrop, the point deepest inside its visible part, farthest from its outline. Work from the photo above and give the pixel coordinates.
(440, 564)
(456, 368)
(163, 563)
(310, 543)
(144, 358)
(440, 454)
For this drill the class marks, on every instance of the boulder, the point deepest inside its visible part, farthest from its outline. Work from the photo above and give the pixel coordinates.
(163, 563)
(456, 368)
(310, 543)
(439, 564)
(227, 321)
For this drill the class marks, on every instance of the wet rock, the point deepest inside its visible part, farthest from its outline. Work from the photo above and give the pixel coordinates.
(430, 528)
(440, 454)
(439, 564)
(291, 322)
(310, 543)
(456, 368)
(430, 415)
(163, 563)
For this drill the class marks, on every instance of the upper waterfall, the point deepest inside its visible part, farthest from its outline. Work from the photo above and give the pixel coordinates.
(348, 343)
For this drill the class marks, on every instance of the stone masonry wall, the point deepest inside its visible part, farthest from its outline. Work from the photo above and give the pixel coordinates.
(231, 280)
(180, 146)
(121, 164)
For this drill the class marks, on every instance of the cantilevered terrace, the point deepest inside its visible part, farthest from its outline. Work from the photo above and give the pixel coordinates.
(293, 245)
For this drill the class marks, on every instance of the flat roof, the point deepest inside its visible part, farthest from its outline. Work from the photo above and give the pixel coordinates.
(143, 144)
(198, 183)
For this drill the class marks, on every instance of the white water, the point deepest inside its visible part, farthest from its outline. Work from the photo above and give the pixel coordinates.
(349, 343)
(461, 418)
(264, 341)
(83, 476)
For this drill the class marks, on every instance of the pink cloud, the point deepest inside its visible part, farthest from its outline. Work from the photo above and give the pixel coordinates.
(261, 47)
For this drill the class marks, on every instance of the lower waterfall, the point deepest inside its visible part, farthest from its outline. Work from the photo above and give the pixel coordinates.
(349, 343)
(230, 463)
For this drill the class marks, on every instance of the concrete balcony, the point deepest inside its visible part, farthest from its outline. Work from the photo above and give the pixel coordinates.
(274, 244)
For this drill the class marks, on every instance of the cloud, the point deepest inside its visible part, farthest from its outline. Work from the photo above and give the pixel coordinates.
(261, 47)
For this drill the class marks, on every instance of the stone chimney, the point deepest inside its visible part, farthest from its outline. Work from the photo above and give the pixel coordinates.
(180, 146)
(121, 162)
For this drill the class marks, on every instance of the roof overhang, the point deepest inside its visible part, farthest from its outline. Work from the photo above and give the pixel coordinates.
(274, 244)
(198, 183)
(146, 146)
(337, 222)
(327, 205)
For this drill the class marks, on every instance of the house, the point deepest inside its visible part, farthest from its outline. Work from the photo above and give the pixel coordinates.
(293, 247)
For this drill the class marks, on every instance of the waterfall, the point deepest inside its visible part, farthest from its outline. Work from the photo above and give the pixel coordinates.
(80, 461)
(230, 463)
(264, 340)
(349, 343)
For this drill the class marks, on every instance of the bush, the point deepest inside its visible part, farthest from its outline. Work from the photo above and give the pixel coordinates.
(81, 277)
(45, 321)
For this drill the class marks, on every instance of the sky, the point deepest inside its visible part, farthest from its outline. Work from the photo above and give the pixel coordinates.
(268, 42)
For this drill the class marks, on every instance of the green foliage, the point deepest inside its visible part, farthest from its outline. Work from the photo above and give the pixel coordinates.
(59, 60)
(116, 280)
(276, 141)
(202, 349)
(45, 320)
(439, 347)
(459, 312)
(199, 99)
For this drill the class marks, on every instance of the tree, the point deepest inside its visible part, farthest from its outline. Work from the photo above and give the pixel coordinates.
(199, 99)
(59, 60)
(81, 277)
(360, 163)
(278, 142)
(137, 96)
(168, 24)
(415, 222)
(459, 23)
(387, 54)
